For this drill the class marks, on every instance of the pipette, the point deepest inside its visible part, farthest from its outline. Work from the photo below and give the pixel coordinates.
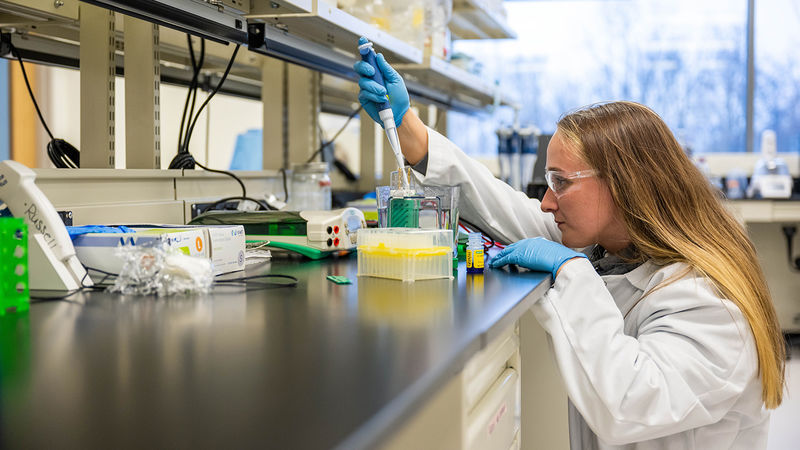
(385, 108)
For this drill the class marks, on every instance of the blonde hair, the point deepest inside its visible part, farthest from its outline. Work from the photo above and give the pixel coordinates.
(672, 214)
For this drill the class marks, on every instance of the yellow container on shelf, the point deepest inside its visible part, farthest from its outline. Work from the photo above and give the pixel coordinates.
(406, 254)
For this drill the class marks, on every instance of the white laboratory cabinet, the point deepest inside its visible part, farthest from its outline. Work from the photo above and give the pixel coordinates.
(478, 409)
(493, 423)
(492, 394)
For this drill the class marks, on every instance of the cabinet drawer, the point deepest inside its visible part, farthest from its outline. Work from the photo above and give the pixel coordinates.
(484, 368)
(515, 444)
(492, 424)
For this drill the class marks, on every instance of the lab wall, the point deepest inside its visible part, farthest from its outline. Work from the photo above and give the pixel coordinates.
(213, 138)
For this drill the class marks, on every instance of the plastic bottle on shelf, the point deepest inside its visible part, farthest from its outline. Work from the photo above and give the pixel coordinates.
(529, 146)
(736, 184)
(374, 12)
(438, 39)
(379, 14)
(475, 254)
(714, 180)
(408, 22)
(504, 135)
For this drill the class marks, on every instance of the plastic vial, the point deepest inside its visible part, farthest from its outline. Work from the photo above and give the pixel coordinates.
(475, 253)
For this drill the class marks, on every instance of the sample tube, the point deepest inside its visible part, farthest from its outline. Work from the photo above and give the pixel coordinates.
(475, 253)
(529, 146)
(504, 152)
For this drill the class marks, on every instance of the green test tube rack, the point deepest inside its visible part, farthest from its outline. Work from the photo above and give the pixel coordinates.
(14, 290)
(404, 213)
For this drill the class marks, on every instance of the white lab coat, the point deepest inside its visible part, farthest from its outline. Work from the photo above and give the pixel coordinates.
(677, 370)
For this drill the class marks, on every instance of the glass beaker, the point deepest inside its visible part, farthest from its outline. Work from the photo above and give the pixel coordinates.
(311, 187)
(383, 195)
(448, 205)
(436, 206)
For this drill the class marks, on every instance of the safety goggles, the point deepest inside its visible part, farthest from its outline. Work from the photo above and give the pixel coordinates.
(559, 182)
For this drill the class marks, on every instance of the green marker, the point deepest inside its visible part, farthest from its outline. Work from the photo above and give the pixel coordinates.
(339, 279)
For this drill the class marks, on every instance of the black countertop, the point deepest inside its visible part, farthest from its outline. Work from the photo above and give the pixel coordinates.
(316, 366)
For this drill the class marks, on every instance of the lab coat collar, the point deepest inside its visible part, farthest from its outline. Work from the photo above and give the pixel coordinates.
(640, 276)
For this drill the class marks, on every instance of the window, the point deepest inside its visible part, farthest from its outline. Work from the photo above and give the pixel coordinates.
(685, 59)
(777, 68)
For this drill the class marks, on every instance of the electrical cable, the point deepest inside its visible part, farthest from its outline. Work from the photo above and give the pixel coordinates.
(325, 144)
(263, 285)
(191, 94)
(285, 188)
(228, 173)
(339, 164)
(486, 237)
(96, 287)
(184, 158)
(248, 281)
(227, 199)
(198, 68)
(60, 152)
(210, 96)
(15, 53)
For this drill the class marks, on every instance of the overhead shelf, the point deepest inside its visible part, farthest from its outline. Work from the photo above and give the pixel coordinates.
(445, 83)
(24, 13)
(472, 19)
(323, 24)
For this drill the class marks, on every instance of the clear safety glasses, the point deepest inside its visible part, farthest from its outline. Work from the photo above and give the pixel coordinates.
(559, 182)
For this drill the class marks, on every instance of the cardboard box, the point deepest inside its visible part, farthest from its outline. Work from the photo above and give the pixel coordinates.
(224, 245)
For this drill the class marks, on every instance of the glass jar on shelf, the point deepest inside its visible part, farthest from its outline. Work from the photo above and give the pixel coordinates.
(311, 187)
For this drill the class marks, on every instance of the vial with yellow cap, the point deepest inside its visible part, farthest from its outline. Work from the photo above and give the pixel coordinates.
(475, 253)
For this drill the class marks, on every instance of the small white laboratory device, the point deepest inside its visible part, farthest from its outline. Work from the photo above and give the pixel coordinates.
(53, 264)
(315, 234)
(771, 177)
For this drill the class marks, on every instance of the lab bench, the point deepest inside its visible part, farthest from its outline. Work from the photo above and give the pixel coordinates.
(375, 364)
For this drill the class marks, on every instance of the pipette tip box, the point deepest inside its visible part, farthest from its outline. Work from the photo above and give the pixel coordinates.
(405, 254)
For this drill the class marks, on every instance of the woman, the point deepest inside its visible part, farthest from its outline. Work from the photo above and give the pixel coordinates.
(665, 336)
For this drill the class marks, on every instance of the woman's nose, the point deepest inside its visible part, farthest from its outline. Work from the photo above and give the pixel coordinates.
(549, 203)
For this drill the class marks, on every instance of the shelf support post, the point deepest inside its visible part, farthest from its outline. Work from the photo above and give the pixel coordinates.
(98, 70)
(371, 146)
(275, 150)
(303, 110)
(142, 95)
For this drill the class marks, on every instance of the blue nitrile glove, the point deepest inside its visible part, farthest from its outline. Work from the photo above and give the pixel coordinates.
(372, 92)
(536, 254)
(75, 231)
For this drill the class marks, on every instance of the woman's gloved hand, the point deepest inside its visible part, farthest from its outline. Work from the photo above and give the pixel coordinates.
(373, 93)
(536, 254)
